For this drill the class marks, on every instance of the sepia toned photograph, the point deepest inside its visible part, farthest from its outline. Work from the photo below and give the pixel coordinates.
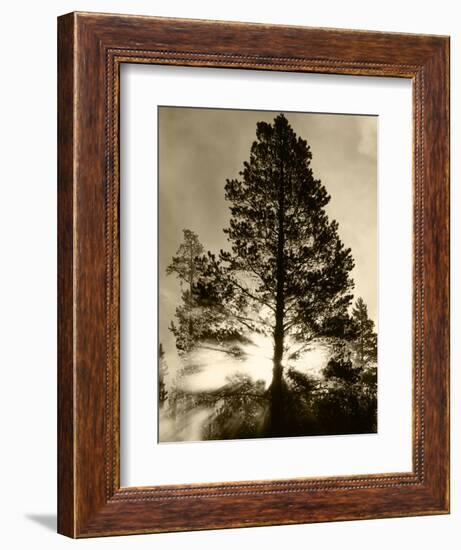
(268, 288)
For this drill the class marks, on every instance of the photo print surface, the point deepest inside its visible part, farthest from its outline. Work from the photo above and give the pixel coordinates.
(267, 274)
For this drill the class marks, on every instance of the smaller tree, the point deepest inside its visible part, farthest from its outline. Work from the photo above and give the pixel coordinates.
(184, 264)
(162, 373)
(349, 402)
(365, 345)
(187, 266)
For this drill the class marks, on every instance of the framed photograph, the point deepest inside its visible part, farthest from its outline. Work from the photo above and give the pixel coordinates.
(253, 275)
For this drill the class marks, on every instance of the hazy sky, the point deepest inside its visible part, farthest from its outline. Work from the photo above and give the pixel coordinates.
(200, 148)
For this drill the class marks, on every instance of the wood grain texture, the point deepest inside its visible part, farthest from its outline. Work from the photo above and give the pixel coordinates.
(66, 471)
(91, 49)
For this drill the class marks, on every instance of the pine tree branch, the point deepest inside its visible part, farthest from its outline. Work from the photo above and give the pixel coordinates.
(305, 346)
(250, 295)
(261, 278)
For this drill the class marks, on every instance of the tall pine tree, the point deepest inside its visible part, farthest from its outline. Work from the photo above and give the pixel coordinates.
(287, 273)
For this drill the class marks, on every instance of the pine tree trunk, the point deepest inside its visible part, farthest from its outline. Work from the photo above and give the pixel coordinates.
(276, 419)
(276, 412)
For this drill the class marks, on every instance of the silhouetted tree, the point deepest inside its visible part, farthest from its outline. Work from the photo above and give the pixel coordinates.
(186, 265)
(162, 373)
(349, 404)
(365, 345)
(287, 272)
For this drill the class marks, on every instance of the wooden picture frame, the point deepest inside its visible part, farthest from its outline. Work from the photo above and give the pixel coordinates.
(92, 48)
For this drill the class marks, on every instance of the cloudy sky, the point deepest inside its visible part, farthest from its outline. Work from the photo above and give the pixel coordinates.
(200, 148)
